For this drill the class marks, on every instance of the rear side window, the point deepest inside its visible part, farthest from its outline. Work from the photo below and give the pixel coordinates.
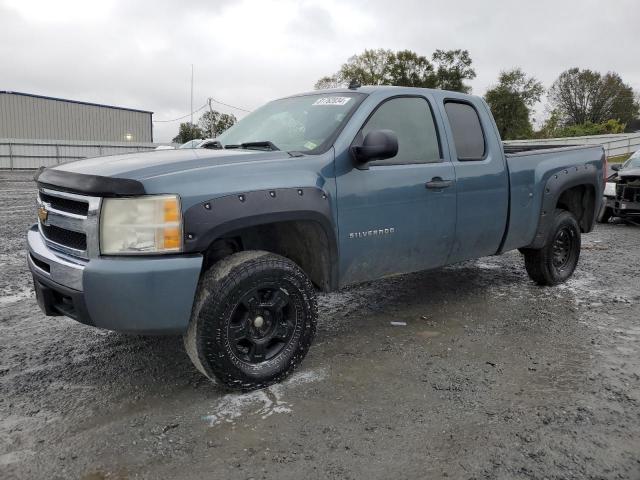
(411, 120)
(467, 131)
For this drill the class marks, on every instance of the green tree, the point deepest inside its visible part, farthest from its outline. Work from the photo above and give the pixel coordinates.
(511, 102)
(447, 70)
(213, 123)
(372, 67)
(330, 81)
(452, 68)
(582, 96)
(187, 131)
(552, 128)
(408, 69)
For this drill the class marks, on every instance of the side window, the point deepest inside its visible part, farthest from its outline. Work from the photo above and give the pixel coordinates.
(412, 121)
(467, 131)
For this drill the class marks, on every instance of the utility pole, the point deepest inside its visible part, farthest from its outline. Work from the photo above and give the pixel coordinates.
(191, 94)
(211, 117)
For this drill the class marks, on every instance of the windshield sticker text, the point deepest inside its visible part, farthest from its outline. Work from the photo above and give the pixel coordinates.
(339, 101)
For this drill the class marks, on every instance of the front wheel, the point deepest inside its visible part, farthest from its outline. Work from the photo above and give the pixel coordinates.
(556, 261)
(253, 320)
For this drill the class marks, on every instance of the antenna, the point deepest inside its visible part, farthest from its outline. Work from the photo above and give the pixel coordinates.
(191, 109)
(354, 84)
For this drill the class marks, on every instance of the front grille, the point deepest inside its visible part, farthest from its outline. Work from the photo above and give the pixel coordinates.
(64, 237)
(628, 193)
(66, 204)
(69, 222)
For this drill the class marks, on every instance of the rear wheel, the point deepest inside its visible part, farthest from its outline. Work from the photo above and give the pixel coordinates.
(253, 321)
(556, 261)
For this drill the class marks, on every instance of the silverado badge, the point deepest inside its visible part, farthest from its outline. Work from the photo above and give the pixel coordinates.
(43, 213)
(373, 233)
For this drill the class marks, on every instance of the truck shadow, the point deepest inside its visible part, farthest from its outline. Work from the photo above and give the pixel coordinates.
(91, 367)
(432, 291)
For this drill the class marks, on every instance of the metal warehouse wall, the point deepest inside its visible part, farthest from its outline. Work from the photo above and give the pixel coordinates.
(36, 117)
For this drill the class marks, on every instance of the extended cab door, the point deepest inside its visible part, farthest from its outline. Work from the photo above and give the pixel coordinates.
(397, 215)
(482, 178)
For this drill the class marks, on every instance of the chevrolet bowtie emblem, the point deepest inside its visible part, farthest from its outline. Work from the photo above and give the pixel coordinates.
(43, 213)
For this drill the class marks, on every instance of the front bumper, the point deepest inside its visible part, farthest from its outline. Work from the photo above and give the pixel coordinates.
(151, 295)
(624, 208)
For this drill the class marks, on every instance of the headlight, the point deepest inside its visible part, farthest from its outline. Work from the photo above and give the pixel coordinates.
(610, 189)
(149, 224)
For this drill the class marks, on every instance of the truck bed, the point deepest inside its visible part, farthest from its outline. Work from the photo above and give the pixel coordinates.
(532, 170)
(522, 147)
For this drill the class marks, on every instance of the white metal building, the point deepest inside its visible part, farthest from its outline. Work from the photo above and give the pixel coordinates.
(26, 116)
(40, 131)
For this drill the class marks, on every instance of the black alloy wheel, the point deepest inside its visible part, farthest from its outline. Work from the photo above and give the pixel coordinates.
(253, 320)
(563, 247)
(557, 259)
(262, 324)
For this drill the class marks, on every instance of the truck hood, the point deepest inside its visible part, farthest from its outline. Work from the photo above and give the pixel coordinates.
(145, 165)
(629, 172)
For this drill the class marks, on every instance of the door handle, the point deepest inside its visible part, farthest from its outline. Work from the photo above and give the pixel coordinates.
(437, 183)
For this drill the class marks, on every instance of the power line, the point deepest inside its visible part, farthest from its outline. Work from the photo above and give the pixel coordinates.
(230, 106)
(182, 117)
(201, 108)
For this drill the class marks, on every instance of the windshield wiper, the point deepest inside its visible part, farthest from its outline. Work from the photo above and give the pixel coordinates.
(255, 146)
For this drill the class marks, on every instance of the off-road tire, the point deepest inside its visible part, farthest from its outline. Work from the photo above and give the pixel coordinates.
(544, 265)
(209, 340)
(605, 214)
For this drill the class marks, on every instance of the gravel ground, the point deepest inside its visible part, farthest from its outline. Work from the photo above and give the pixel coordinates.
(492, 377)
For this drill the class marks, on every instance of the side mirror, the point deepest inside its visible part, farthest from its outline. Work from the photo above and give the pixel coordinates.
(377, 145)
(615, 168)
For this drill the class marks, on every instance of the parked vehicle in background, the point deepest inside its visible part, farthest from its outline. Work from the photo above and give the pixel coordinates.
(191, 143)
(165, 147)
(209, 143)
(622, 192)
(310, 192)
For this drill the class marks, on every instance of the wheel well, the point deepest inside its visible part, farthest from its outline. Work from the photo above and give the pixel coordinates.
(303, 241)
(581, 202)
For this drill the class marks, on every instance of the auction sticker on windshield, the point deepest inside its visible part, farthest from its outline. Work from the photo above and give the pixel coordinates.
(332, 101)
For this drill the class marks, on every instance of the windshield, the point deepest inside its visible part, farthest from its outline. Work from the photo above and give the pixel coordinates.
(633, 162)
(300, 124)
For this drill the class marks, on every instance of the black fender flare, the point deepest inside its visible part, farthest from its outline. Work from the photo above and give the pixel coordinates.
(555, 186)
(212, 219)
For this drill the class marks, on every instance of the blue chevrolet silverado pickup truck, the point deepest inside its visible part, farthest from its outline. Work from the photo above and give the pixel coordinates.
(228, 246)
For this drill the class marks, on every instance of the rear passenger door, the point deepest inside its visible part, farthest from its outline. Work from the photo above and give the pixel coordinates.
(482, 179)
(392, 218)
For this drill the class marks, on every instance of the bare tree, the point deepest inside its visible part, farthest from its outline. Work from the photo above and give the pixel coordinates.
(582, 96)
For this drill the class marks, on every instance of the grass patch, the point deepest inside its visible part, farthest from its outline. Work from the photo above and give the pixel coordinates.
(619, 158)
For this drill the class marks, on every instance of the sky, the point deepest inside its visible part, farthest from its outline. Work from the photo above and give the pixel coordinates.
(138, 54)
